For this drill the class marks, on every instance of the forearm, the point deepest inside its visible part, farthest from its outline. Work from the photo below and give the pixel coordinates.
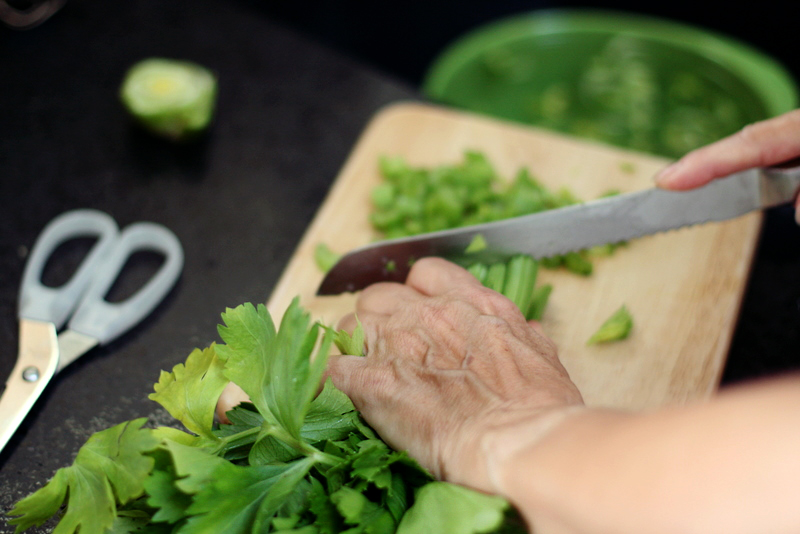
(729, 465)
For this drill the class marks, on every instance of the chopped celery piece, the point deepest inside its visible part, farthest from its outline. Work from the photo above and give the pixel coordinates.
(601, 250)
(521, 273)
(383, 196)
(173, 99)
(324, 257)
(538, 302)
(615, 328)
(515, 279)
(479, 271)
(496, 277)
(477, 244)
(578, 263)
(553, 262)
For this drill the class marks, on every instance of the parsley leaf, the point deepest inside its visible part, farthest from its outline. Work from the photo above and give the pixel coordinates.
(352, 345)
(190, 392)
(443, 507)
(331, 416)
(279, 370)
(231, 499)
(110, 467)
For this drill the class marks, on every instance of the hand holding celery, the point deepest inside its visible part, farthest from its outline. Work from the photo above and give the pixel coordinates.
(455, 363)
(293, 460)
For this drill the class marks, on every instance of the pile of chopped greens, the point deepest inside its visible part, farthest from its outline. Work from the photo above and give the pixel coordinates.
(413, 200)
(293, 460)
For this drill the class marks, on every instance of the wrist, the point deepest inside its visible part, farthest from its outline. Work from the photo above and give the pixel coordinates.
(487, 448)
(501, 445)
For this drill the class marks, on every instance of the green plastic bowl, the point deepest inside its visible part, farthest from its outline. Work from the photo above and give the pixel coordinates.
(629, 80)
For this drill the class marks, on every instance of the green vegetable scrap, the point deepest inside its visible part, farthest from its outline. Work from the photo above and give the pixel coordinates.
(496, 276)
(351, 344)
(324, 257)
(477, 244)
(479, 271)
(292, 460)
(173, 99)
(578, 263)
(538, 302)
(615, 328)
(520, 279)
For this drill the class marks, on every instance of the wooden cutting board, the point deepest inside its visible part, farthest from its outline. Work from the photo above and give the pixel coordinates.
(683, 287)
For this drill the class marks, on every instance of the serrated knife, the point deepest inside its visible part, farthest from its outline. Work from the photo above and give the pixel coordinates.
(549, 233)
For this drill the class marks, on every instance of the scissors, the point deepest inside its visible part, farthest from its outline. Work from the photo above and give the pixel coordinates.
(43, 310)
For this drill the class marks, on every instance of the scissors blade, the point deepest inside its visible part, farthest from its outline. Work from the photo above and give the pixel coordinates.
(72, 345)
(36, 365)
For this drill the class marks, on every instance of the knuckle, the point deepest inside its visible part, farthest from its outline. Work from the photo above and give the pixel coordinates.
(491, 302)
(757, 139)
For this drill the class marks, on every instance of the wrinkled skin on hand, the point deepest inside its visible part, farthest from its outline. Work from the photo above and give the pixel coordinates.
(449, 363)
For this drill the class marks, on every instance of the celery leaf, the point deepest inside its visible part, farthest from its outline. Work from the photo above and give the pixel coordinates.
(444, 507)
(280, 370)
(351, 344)
(109, 469)
(231, 498)
(190, 392)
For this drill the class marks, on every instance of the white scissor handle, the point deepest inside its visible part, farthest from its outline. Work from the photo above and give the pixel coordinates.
(103, 320)
(54, 305)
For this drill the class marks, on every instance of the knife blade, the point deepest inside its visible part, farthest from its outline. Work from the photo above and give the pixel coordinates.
(571, 228)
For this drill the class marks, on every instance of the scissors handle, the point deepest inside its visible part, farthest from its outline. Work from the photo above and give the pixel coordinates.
(103, 320)
(42, 303)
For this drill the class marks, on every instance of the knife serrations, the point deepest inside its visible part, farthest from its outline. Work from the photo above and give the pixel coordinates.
(549, 233)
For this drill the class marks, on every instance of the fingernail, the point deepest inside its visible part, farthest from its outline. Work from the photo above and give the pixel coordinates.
(664, 176)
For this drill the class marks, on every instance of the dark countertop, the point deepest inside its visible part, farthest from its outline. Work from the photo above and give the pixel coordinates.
(239, 200)
(289, 113)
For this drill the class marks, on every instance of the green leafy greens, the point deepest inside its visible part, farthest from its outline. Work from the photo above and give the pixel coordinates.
(294, 460)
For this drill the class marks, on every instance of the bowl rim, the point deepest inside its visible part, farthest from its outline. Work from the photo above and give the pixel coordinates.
(769, 80)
